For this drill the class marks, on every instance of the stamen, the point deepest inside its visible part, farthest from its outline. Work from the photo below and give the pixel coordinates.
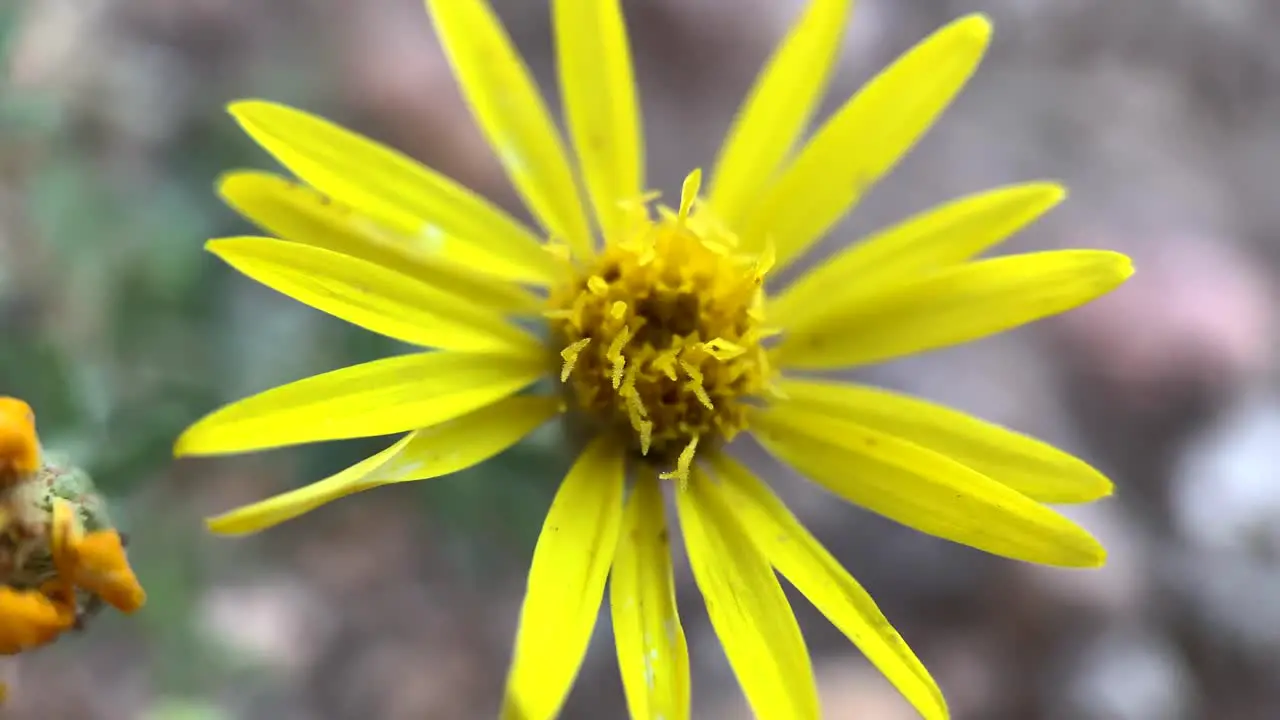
(570, 355)
(646, 436)
(645, 248)
(636, 412)
(665, 363)
(628, 389)
(615, 355)
(695, 384)
(722, 349)
(559, 249)
(676, 314)
(640, 203)
(764, 263)
(681, 472)
(719, 248)
(689, 192)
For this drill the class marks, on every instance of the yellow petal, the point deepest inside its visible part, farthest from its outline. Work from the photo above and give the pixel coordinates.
(864, 140)
(938, 237)
(652, 654)
(566, 584)
(429, 453)
(953, 306)
(1033, 468)
(599, 93)
(377, 181)
(376, 398)
(371, 296)
(815, 573)
(923, 489)
(298, 213)
(747, 607)
(512, 115)
(778, 108)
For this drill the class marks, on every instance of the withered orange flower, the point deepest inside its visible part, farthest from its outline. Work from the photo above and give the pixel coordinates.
(57, 549)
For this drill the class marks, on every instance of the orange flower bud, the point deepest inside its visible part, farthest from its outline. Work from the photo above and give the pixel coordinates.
(19, 444)
(31, 618)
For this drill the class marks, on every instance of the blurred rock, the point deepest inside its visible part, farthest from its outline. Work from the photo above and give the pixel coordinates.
(131, 70)
(1125, 673)
(278, 624)
(972, 666)
(183, 709)
(394, 71)
(1226, 508)
(849, 689)
(1146, 367)
(409, 655)
(90, 682)
(1118, 589)
(1224, 489)
(1197, 315)
(1232, 605)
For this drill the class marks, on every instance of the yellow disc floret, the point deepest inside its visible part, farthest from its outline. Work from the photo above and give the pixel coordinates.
(663, 333)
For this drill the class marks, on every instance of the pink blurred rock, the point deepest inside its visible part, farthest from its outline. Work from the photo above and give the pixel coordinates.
(50, 41)
(278, 622)
(1197, 311)
(851, 689)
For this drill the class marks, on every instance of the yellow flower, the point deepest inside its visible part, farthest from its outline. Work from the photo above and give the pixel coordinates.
(656, 325)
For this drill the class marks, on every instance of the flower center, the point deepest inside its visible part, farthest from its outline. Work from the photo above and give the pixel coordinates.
(663, 333)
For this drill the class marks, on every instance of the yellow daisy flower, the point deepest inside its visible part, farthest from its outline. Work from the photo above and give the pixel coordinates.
(657, 329)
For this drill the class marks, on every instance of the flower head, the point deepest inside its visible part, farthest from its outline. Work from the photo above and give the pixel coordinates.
(60, 557)
(662, 334)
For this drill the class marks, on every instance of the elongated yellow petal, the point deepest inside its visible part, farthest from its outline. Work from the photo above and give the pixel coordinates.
(923, 489)
(371, 296)
(778, 108)
(377, 181)
(1033, 468)
(599, 94)
(377, 398)
(819, 576)
(865, 139)
(421, 455)
(512, 115)
(962, 303)
(298, 213)
(652, 654)
(566, 584)
(747, 607)
(938, 237)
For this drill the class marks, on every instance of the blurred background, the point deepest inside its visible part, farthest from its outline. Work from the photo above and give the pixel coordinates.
(1162, 115)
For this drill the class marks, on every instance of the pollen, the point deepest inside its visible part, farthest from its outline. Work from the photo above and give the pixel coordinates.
(662, 333)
